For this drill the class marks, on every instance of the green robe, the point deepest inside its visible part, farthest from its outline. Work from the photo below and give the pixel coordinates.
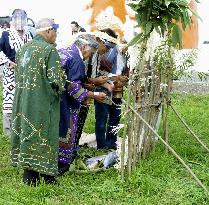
(39, 80)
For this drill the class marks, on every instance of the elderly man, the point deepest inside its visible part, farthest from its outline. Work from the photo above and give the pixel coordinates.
(91, 77)
(72, 61)
(36, 113)
(11, 41)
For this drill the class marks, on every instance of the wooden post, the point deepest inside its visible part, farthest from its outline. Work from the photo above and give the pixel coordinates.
(173, 152)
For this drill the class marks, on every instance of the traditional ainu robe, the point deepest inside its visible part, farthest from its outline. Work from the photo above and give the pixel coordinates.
(36, 113)
(70, 103)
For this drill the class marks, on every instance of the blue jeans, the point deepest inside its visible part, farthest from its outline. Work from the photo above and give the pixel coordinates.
(107, 118)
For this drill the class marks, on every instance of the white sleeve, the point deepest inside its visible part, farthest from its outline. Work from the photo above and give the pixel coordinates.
(120, 64)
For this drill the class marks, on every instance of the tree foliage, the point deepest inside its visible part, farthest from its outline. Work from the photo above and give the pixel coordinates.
(163, 16)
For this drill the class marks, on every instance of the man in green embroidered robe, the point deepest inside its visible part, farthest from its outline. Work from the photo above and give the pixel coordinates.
(35, 119)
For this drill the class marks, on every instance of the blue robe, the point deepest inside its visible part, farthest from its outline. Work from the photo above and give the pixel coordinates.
(70, 102)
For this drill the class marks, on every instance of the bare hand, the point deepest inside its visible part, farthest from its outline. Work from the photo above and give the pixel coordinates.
(90, 87)
(12, 65)
(123, 78)
(108, 86)
(100, 80)
(118, 84)
(100, 97)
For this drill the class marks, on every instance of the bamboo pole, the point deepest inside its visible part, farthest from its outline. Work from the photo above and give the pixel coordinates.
(145, 115)
(130, 143)
(135, 143)
(132, 127)
(135, 131)
(166, 115)
(153, 111)
(173, 152)
(140, 134)
(122, 168)
(185, 124)
(126, 123)
(158, 101)
(165, 124)
(140, 70)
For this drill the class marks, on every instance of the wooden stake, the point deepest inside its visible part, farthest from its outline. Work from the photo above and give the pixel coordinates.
(184, 123)
(174, 153)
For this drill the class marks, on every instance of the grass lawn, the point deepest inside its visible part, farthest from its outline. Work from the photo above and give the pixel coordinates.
(159, 180)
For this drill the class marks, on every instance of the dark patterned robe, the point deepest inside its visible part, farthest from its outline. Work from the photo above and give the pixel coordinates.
(36, 113)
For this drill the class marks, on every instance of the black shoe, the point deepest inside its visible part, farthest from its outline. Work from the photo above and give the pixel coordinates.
(62, 168)
(49, 179)
(31, 177)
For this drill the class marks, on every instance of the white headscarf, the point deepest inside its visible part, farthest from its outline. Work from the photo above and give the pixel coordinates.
(19, 19)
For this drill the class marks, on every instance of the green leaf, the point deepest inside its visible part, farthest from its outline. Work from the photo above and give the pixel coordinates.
(167, 3)
(170, 26)
(157, 30)
(183, 3)
(148, 28)
(184, 20)
(176, 36)
(133, 6)
(136, 39)
(162, 27)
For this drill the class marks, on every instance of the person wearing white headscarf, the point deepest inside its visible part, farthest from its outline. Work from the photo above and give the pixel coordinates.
(72, 59)
(11, 41)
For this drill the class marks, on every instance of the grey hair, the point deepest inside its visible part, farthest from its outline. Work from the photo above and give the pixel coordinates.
(45, 22)
(86, 39)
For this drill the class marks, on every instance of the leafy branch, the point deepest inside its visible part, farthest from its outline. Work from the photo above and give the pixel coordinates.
(167, 64)
(162, 16)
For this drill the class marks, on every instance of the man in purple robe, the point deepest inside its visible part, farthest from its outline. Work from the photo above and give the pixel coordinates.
(73, 63)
